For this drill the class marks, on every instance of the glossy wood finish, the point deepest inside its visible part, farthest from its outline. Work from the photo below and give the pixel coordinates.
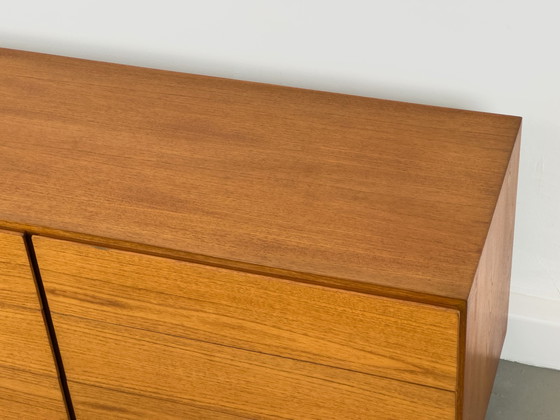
(362, 191)
(29, 386)
(265, 336)
(487, 307)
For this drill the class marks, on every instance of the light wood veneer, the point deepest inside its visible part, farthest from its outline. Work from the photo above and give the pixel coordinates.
(28, 378)
(276, 340)
(214, 248)
(373, 194)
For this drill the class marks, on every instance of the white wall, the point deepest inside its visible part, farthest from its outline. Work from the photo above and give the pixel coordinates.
(488, 55)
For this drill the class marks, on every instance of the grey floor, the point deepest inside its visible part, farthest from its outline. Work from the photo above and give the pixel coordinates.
(524, 392)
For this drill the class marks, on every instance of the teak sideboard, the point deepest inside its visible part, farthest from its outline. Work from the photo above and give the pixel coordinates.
(182, 246)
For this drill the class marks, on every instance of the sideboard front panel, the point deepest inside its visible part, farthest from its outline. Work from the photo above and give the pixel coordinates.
(141, 335)
(29, 387)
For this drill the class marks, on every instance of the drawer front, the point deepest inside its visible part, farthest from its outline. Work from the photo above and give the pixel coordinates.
(140, 329)
(29, 386)
(116, 371)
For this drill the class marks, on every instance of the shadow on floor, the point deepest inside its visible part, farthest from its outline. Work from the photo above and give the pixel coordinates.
(524, 392)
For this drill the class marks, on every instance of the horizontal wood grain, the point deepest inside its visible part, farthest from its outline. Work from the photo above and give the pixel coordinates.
(391, 194)
(222, 249)
(29, 386)
(98, 401)
(17, 287)
(386, 337)
(121, 372)
(237, 343)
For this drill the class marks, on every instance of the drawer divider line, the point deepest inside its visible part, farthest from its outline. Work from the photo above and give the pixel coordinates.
(51, 333)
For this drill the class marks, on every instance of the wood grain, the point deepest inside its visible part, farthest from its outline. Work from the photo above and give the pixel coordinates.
(391, 194)
(121, 300)
(141, 373)
(324, 242)
(487, 307)
(29, 385)
(402, 340)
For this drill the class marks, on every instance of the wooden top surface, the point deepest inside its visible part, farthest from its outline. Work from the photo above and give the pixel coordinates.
(373, 192)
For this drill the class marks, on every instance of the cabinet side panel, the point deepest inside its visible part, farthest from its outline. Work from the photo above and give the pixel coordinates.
(487, 306)
(29, 386)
